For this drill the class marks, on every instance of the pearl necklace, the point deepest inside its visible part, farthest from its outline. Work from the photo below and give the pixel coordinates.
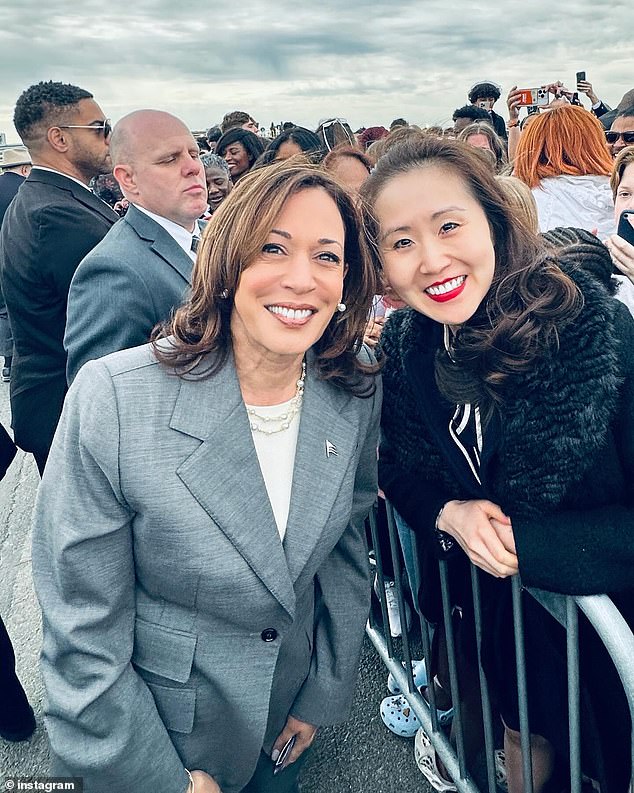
(283, 421)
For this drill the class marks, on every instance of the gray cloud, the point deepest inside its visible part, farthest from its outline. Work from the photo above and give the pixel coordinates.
(369, 61)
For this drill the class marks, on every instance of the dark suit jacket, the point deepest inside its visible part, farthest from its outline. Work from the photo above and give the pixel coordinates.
(47, 230)
(9, 185)
(125, 286)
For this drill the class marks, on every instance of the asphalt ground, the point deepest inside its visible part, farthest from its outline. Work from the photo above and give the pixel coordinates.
(358, 756)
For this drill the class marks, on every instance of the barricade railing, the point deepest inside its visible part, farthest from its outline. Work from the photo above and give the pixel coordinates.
(599, 610)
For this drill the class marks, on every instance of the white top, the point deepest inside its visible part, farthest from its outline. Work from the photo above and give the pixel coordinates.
(179, 234)
(581, 201)
(276, 455)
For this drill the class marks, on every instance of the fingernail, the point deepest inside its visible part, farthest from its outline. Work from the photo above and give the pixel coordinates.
(275, 754)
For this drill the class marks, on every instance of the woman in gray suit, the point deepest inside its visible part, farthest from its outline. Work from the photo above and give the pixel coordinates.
(199, 550)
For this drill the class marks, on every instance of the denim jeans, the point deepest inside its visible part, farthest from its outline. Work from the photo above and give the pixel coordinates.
(406, 537)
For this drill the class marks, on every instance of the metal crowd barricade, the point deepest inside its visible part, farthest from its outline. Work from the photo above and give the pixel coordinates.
(599, 610)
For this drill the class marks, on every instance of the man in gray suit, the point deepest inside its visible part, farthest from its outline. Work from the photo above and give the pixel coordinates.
(142, 268)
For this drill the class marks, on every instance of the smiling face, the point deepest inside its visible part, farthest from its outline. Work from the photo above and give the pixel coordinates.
(288, 295)
(218, 185)
(435, 243)
(621, 124)
(624, 198)
(237, 159)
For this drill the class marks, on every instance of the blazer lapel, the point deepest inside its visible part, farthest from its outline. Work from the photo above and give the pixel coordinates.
(224, 476)
(85, 196)
(327, 442)
(161, 242)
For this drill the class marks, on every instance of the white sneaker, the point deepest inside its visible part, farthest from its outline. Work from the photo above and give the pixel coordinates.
(393, 613)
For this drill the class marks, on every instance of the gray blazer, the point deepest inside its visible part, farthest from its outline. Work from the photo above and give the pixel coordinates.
(126, 285)
(178, 629)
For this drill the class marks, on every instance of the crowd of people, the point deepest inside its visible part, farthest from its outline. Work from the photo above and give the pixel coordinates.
(207, 340)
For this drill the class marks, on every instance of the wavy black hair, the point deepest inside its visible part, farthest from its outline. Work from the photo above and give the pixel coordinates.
(306, 139)
(253, 144)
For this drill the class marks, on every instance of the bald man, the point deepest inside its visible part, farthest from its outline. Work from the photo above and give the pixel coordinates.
(141, 270)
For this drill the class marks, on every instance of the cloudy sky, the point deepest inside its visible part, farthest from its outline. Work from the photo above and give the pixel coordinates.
(366, 60)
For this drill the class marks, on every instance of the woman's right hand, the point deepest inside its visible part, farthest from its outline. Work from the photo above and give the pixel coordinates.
(204, 783)
(484, 533)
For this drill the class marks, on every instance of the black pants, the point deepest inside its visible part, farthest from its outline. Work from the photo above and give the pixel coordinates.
(15, 707)
(263, 780)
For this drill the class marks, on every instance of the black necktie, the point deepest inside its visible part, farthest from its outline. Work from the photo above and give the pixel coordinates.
(195, 241)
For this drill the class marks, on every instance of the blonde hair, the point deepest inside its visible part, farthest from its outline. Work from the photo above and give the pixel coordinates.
(521, 199)
(565, 140)
(498, 147)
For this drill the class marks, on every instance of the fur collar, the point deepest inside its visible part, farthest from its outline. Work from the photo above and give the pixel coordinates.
(557, 417)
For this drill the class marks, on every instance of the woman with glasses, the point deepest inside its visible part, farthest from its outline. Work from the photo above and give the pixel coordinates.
(563, 157)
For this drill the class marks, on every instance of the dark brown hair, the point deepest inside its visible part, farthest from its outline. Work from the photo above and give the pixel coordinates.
(342, 151)
(528, 298)
(232, 240)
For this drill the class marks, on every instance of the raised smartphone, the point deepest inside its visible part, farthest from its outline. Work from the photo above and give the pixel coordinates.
(533, 96)
(626, 229)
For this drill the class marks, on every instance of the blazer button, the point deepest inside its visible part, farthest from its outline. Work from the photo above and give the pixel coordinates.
(268, 635)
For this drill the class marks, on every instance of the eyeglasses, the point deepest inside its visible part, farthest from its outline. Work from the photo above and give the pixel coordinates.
(343, 124)
(612, 137)
(105, 127)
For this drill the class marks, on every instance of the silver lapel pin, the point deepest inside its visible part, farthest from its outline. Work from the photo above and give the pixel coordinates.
(331, 449)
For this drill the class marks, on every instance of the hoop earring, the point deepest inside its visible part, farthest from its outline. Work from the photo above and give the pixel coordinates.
(341, 307)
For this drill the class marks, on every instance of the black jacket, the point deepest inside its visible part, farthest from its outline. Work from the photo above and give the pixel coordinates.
(9, 185)
(499, 125)
(49, 227)
(560, 461)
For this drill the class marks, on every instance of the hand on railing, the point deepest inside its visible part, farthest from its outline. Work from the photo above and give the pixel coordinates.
(484, 533)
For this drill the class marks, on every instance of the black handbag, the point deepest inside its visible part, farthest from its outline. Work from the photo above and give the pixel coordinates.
(8, 451)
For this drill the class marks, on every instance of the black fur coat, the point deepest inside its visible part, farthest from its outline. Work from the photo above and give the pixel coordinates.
(559, 460)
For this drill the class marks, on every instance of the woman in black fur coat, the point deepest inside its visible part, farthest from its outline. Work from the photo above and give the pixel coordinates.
(508, 429)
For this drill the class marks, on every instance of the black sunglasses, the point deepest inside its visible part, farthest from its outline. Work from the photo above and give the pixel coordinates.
(612, 137)
(105, 127)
